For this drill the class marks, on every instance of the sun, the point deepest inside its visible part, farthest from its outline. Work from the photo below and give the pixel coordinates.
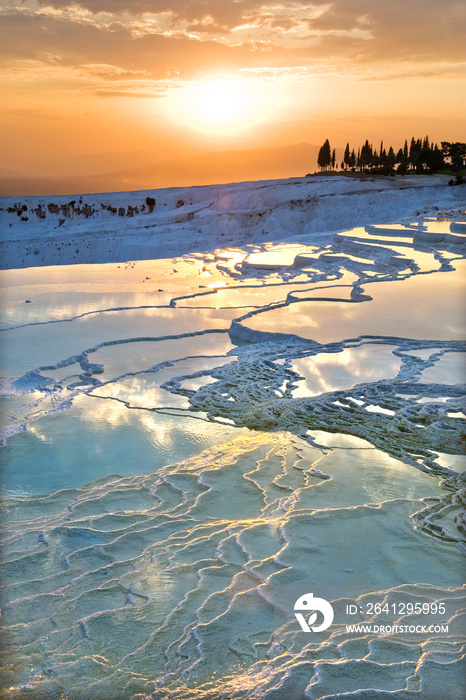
(221, 103)
(219, 107)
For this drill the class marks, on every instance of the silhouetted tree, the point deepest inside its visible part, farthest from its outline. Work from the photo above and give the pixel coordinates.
(391, 158)
(437, 161)
(456, 152)
(415, 152)
(365, 155)
(324, 158)
(420, 155)
(346, 157)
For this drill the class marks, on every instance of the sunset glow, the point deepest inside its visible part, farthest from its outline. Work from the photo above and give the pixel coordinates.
(220, 107)
(90, 86)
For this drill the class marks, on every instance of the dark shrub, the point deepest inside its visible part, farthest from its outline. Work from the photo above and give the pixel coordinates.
(150, 201)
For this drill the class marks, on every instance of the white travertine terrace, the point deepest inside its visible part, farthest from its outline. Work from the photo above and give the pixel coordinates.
(193, 443)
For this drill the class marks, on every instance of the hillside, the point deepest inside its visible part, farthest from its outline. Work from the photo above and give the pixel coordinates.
(161, 223)
(217, 167)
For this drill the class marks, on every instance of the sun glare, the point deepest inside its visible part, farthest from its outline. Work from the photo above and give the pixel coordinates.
(219, 107)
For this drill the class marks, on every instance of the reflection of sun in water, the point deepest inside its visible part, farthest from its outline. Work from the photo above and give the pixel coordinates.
(220, 107)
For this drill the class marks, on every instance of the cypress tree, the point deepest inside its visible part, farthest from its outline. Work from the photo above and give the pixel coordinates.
(366, 154)
(391, 158)
(346, 157)
(324, 158)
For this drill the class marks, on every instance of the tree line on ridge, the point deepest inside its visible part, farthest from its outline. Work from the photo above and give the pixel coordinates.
(419, 156)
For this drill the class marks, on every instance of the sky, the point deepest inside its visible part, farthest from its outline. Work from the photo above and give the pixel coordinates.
(96, 84)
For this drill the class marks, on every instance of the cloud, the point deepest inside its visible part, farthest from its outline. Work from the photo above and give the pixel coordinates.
(418, 29)
(223, 13)
(115, 93)
(29, 113)
(159, 39)
(71, 43)
(109, 72)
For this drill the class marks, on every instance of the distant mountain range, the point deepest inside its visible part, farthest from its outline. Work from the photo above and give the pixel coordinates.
(205, 169)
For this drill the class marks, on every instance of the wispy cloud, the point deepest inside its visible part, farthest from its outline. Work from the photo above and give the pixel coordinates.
(122, 93)
(142, 45)
(352, 30)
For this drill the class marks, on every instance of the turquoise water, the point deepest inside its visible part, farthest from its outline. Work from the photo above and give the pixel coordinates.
(181, 466)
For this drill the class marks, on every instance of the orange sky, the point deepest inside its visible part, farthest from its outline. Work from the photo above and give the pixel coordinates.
(154, 79)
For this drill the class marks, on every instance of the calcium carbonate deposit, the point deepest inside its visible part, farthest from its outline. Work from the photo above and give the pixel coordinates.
(221, 403)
